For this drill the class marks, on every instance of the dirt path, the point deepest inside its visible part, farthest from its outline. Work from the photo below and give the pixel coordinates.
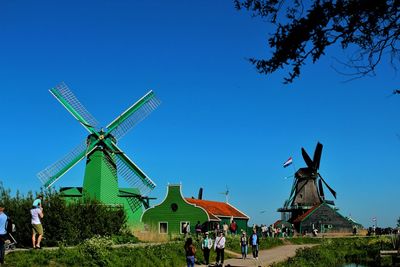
(265, 257)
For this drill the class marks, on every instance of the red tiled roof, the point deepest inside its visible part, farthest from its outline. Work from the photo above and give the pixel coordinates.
(218, 209)
(302, 217)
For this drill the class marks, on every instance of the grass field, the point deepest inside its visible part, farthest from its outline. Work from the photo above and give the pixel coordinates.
(99, 251)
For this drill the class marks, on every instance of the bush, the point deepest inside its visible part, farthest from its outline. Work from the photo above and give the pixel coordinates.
(97, 249)
(67, 224)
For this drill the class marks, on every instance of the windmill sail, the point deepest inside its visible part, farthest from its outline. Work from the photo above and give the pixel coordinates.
(64, 95)
(133, 115)
(54, 172)
(132, 173)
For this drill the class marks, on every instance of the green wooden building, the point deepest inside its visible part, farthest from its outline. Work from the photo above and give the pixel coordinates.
(174, 211)
(325, 219)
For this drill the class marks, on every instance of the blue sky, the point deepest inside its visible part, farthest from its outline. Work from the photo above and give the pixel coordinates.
(220, 123)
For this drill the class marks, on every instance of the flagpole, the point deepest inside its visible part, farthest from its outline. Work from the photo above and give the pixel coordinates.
(294, 168)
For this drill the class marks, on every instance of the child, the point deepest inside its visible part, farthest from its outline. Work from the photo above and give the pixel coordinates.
(38, 201)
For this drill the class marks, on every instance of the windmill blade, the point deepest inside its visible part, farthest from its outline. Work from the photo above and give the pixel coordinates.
(307, 159)
(54, 172)
(133, 115)
(330, 189)
(64, 95)
(135, 177)
(136, 200)
(321, 189)
(317, 155)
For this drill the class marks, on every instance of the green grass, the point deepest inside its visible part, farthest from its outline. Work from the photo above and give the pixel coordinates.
(159, 255)
(98, 252)
(338, 251)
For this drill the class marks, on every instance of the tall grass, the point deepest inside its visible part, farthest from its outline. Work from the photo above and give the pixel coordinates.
(98, 252)
(338, 251)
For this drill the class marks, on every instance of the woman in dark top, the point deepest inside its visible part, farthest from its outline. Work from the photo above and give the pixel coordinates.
(190, 251)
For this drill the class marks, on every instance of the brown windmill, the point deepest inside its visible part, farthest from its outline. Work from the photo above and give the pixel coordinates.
(307, 190)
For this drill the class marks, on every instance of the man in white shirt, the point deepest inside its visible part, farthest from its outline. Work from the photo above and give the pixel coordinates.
(219, 247)
(37, 228)
(3, 233)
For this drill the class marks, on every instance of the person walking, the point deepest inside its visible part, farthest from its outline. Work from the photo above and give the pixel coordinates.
(244, 245)
(206, 246)
(216, 230)
(190, 252)
(198, 229)
(233, 227)
(254, 242)
(219, 247)
(225, 228)
(37, 228)
(3, 233)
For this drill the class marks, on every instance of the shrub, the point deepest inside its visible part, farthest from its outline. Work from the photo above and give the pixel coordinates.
(67, 224)
(97, 249)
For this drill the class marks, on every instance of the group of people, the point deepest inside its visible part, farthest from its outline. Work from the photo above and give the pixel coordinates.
(207, 243)
(272, 231)
(253, 241)
(37, 229)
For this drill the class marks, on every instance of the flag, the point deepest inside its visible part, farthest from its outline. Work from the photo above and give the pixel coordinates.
(288, 162)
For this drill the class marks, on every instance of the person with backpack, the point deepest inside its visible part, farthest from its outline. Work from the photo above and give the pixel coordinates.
(190, 252)
(3, 233)
(219, 247)
(244, 245)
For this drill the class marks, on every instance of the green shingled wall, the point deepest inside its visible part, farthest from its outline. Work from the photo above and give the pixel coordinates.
(165, 213)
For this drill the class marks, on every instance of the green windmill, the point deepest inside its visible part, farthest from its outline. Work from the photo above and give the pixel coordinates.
(105, 161)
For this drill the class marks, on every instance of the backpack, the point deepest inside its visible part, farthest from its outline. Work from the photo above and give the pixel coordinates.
(9, 225)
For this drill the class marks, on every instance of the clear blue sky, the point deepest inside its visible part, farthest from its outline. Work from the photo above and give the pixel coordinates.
(220, 123)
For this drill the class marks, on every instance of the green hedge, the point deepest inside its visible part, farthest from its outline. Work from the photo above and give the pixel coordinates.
(69, 224)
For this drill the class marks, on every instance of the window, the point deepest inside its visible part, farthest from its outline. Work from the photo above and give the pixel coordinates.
(185, 227)
(174, 207)
(163, 228)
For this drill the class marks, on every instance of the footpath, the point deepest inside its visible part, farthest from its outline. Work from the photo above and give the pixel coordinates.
(265, 257)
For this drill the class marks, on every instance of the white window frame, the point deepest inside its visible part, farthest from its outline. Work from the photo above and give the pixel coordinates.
(159, 227)
(181, 224)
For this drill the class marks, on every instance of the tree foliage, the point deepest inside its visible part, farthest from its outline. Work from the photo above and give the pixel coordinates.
(368, 29)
